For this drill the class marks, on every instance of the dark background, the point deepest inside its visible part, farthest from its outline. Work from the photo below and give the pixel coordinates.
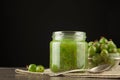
(28, 26)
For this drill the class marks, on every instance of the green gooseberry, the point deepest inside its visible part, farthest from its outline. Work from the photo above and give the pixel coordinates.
(104, 53)
(104, 46)
(103, 40)
(39, 68)
(97, 59)
(111, 44)
(97, 45)
(32, 68)
(112, 50)
(91, 51)
(90, 43)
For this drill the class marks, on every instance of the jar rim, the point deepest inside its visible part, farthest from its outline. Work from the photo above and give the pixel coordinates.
(68, 31)
(74, 34)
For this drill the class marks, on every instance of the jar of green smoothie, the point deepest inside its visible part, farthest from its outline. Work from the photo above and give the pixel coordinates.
(68, 50)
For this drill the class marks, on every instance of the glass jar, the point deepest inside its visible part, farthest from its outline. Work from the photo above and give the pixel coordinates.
(68, 50)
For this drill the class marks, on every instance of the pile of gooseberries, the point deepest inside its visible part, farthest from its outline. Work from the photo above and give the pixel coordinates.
(100, 51)
(35, 68)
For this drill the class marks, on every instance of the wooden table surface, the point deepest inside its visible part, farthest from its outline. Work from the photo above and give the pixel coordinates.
(9, 74)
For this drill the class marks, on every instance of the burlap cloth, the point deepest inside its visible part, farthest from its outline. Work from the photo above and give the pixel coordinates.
(112, 73)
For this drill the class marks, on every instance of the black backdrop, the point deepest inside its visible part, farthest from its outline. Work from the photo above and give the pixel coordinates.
(28, 26)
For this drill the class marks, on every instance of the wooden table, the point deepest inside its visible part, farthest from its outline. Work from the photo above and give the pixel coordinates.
(9, 74)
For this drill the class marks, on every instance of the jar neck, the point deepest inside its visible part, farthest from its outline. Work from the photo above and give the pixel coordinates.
(69, 35)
